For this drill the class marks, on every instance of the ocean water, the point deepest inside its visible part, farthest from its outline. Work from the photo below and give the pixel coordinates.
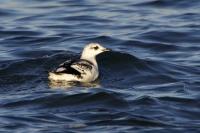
(150, 82)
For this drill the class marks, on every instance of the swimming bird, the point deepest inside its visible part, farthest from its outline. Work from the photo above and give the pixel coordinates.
(83, 70)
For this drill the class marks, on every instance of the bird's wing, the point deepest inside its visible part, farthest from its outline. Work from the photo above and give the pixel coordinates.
(66, 67)
(82, 65)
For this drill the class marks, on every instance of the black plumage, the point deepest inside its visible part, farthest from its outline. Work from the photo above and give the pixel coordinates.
(66, 67)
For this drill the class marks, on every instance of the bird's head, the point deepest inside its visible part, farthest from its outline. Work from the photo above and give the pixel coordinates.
(92, 50)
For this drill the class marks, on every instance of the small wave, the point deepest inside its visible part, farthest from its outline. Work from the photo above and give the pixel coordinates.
(84, 19)
(183, 100)
(127, 120)
(153, 46)
(168, 3)
(146, 100)
(166, 36)
(7, 12)
(103, 39)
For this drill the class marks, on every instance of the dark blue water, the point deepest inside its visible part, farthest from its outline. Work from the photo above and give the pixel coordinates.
(149, 83)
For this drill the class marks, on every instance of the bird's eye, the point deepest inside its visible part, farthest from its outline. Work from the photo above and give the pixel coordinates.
(95, 47)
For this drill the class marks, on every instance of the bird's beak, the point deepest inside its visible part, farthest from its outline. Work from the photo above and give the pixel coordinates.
(106, 49)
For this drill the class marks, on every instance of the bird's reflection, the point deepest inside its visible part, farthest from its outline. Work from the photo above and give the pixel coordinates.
(68, 85)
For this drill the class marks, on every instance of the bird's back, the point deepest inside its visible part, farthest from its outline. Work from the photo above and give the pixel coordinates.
(75, 70)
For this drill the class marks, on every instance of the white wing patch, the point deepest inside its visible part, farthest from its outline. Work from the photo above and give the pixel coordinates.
(60, 69)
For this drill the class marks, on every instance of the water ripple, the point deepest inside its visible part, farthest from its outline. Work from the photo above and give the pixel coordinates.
(148, 83)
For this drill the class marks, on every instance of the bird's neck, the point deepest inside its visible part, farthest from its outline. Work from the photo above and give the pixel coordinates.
(91, 59)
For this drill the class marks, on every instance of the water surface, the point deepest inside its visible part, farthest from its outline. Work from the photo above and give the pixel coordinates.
(149, 83)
